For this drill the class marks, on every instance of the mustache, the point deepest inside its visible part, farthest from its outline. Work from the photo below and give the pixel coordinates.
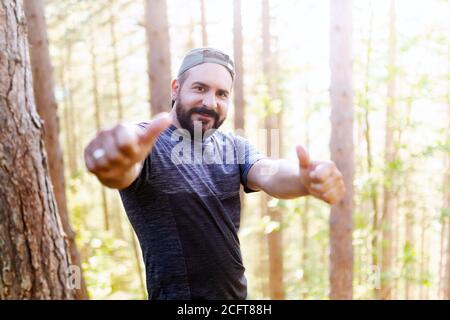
(205, 111)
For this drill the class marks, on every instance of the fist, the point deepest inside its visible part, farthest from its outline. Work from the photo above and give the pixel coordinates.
(321, 179)
(114, 151)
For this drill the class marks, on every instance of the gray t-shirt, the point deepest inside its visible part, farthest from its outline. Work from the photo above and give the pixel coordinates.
(185, 209)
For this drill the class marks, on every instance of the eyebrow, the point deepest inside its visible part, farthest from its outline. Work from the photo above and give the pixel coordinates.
(205, 85)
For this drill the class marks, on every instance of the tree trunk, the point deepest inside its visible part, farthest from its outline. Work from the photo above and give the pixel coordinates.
(158, 42)
(239, 104)
(274, 238)
(71, 129)
(47, 108)
(95, 93)
(388, 203)
(34, 260)
(203, 24)
(368, 139)
(341, 147)
(446, 204)
(305, 214)
(239, 111)
(115, 61)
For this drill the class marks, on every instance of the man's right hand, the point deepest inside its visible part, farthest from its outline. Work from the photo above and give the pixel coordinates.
(115, 155)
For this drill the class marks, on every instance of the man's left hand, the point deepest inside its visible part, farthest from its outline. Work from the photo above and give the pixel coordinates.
(321, 179)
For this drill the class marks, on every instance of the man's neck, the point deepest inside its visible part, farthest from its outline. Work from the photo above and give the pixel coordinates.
(174, 118)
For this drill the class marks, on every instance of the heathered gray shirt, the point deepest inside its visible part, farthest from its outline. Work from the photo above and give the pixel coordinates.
(185, 210)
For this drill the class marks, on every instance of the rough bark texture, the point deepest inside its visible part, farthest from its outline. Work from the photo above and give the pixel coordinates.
(33, 255)
(47, 109)
(341, 147)
(157, 29)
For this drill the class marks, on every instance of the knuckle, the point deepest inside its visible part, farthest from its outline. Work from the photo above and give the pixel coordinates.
(120, 126)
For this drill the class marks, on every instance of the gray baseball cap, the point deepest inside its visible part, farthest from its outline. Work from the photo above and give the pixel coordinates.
(206, 55)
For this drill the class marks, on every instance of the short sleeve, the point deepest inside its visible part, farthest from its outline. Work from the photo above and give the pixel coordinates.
(247, 156)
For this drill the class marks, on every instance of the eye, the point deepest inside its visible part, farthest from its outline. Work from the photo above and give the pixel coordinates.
(223, 95)
(199, 89)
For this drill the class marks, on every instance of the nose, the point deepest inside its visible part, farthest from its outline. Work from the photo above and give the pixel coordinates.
(209, 100)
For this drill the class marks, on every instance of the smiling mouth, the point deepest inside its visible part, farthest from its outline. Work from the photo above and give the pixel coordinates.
(204, 118)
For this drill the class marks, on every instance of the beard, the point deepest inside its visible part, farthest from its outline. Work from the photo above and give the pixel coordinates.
(184, 116)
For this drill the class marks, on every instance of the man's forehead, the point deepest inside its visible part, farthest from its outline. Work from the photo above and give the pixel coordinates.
(210, 74)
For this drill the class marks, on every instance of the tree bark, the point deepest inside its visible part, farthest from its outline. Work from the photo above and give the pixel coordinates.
(34, 260)
(341, 147)
(47, 108)
(158, 43)
(274, 238)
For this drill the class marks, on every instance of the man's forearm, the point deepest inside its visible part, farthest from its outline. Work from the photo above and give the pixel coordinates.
(279, 178)
(123, 180)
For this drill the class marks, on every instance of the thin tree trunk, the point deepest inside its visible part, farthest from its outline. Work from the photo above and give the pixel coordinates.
(137, 258)
(97, 120)
(115, 61)
(239, 111)
(409, 244)
(341, 147)
(157, 29)
(47, 108)
(239, 104)
(446, 202)
(424, 256)
(274, 238)
(34, 261)
(203, 24)
(304, 217)
(73, 162)
(367, 135)
(388, 204)
(409, 220)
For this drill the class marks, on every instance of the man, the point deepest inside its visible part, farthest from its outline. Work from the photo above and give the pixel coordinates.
(183, 202)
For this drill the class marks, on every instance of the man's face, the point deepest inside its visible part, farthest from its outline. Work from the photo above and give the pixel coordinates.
(203, 97)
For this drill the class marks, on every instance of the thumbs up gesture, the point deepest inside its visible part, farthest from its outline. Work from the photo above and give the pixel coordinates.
(113, 154)
(321, 179)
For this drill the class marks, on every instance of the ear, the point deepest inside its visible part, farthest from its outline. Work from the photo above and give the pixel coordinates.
(175, 88)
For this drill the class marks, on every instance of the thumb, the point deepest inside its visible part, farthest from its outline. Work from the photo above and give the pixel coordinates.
(161, 122)
(303, 157)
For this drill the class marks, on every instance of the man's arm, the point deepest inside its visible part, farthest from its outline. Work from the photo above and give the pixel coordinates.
(278, 178)
(285, 179)
(116, 155)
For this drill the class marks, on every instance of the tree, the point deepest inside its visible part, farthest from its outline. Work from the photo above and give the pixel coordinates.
(389, 158)
(158, 43)
(446, 204)
(239, 102)
(341, 147)
(203, 24)
(96, 97)
(34, 260)
(47, 108)
(274, 237)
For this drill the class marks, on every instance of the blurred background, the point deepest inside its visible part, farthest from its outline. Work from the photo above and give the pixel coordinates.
(113, 61)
